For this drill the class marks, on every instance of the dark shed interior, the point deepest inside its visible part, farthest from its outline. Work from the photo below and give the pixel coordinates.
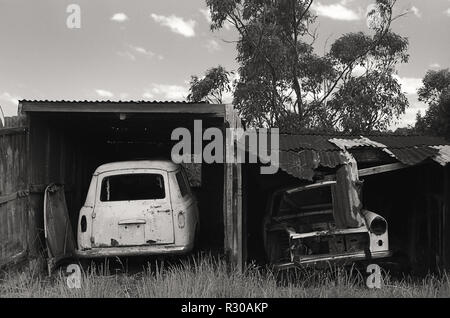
(413, 202)
(69, 141)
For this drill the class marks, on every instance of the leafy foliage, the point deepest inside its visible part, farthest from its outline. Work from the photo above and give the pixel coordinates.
(211, 87)
(436, 92)
(283, 82)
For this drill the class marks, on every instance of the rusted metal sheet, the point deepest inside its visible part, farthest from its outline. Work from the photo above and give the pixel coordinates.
(302, 164)
(299, 164)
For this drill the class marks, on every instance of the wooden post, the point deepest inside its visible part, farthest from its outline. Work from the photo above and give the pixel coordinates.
(446, 218)
(232, 194)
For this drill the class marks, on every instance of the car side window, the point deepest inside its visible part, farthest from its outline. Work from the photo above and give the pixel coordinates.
(182, 184)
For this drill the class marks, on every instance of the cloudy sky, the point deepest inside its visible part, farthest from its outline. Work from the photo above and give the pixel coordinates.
(146, 50)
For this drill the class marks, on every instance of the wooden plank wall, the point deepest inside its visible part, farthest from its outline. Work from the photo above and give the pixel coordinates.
(58, 156)
(13, 190)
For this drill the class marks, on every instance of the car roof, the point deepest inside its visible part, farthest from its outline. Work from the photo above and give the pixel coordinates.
(166, 165)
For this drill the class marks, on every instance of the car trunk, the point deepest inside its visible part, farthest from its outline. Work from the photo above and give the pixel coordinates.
(129, 213)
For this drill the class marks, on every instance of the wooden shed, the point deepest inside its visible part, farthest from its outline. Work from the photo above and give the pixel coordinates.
(64, 141)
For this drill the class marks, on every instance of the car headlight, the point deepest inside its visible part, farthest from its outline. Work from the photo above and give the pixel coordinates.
(378, 226)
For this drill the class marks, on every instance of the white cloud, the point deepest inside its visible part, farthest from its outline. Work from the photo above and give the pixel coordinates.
(207, 14)
(410, 85)
(127, 54)
(104, 93)
(134, 50)
(166, 92)
(212, 46)
(119, 17)
(148, 95)
(336, 11)
(176, 24)
(447, 12)
(435, 65)
(124, 96)
(416, 11)
(409, 117)
(9, 98)
(8, 103)
(141, 50)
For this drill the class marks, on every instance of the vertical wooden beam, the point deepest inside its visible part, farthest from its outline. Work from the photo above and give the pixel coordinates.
(446, 217)
(227, 190)
(227, 208)
(232, 194)
(238, 212)
(244, 195)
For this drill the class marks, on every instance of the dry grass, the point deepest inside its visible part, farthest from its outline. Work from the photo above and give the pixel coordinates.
(206, 276)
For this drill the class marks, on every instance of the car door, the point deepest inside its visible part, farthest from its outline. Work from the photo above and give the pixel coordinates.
(132, 208)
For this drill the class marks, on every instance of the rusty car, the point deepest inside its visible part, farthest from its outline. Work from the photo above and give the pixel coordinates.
(301, 228)
(141, 207)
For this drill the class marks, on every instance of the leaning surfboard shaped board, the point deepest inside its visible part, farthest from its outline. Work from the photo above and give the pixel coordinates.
(58, 231)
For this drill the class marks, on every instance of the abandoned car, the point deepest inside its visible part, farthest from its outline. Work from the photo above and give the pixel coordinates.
(303, 226)
(138, 208)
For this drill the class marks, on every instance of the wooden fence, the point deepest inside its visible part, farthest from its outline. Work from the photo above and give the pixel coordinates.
(13, 190)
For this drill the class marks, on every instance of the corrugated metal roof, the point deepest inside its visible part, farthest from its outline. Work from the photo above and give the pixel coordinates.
(311, 142)
(408, 141)
(409, 150)
(304, 153)
(443, 157)
(414, 155)
(117, 106)
(110, 101)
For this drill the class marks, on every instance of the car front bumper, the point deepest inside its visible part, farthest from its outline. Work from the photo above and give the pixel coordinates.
(134, 251)
(337, 258)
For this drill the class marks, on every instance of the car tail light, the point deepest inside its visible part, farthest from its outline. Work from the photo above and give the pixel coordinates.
(181, 220)
(83, 224)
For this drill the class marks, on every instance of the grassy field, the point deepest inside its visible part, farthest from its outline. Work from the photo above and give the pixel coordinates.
(205, 276)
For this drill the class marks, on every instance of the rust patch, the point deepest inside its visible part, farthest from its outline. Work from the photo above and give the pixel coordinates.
(114, 242)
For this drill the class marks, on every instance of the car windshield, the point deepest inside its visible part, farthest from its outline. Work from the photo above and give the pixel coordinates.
(128, 187)
(305, 201)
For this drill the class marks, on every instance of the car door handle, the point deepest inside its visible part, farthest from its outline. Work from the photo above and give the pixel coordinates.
(166, 210)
